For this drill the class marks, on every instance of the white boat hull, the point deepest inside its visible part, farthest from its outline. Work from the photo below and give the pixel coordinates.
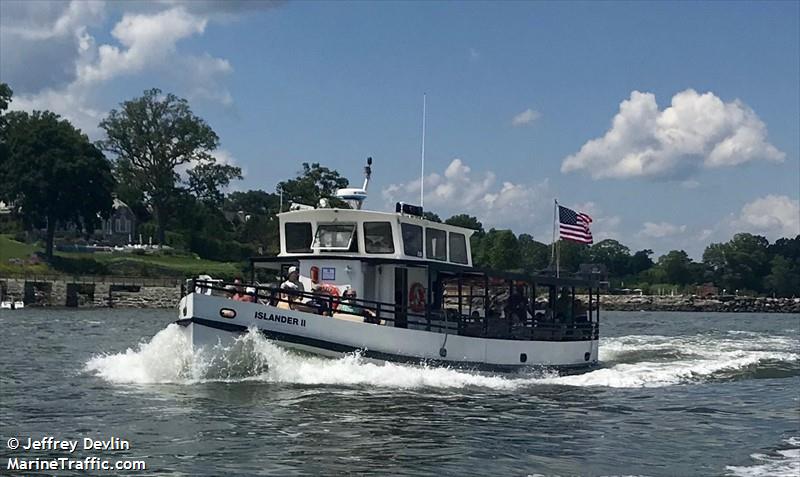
(205, 321)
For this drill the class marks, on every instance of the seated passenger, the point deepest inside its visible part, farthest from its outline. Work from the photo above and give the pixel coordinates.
(349, 306)
(239, 291)
(230, 291)
(250, 295)
(293, 280)
(320, 304)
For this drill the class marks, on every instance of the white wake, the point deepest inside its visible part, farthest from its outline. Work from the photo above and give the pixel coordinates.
(630, 361)
(781, 463)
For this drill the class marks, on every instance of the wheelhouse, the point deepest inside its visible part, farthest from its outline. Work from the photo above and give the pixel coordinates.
(366, 234)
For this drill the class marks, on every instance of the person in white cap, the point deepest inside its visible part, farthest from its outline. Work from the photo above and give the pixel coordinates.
(293, 281)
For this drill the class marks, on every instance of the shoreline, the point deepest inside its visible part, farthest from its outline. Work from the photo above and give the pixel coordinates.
(726, 304)
(87, 292)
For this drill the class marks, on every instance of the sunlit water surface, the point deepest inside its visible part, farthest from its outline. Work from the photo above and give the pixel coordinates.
(678, 394)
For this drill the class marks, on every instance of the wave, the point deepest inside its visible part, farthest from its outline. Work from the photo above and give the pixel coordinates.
(783, 462)
(168, 358)
(628, 361)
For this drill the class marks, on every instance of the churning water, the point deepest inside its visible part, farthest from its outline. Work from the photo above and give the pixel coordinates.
(677, 394)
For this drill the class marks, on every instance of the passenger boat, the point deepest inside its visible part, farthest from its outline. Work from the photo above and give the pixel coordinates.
(419, 297)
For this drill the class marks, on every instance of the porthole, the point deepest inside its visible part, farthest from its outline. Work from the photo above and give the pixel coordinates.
(523, 357)
(227, 313)
(586, 356)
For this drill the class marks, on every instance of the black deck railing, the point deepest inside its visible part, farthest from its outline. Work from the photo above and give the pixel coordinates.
(446, 320)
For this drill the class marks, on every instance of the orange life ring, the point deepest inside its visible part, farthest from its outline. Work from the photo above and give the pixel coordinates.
(416, 297)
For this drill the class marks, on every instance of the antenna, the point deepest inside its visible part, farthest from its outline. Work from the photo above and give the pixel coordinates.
(367, 173)
(422, 177)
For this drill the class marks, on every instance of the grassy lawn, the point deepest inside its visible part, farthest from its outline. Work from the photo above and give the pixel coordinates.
(10, 248)
(111, 263)
(173, 265)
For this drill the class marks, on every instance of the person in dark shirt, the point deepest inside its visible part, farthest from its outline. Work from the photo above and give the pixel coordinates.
(320, 304)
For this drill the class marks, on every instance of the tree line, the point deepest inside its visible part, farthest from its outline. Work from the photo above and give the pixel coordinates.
(157, 156)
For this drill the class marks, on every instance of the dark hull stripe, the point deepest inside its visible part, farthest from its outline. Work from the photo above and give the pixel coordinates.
(379, 355)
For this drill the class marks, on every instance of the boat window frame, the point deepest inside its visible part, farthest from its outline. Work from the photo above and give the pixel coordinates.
(286, 235)
(391, 236)
(429, 246)
(450, 247)
(404, 226)
(315, 245)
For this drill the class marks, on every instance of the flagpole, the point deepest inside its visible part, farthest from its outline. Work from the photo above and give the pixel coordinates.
(557, 244)
(553, 243)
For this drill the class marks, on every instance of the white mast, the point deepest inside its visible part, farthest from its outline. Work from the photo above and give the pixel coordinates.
(422, 176)
(554, 245)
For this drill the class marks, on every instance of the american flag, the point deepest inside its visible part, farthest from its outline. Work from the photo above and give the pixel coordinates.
(574, 225)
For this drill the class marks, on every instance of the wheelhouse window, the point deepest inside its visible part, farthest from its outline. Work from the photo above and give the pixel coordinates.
(336, 238)
(297, 236)
(435, 244)
(378, 237)
(458, 248)
(412, 240)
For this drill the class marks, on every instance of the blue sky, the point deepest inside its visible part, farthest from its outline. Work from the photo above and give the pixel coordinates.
(522, 100)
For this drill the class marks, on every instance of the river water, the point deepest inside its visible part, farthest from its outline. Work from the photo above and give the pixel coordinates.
(678, 394)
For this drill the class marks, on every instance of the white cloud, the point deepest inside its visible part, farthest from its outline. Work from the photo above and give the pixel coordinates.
(457, 190)
(146, 40)
(704, 235)
(41, 41)
(145, 44)
(773, 216)
(526, 117)
(603, 226)
(697, 130)
(661, 230)
(47, 20)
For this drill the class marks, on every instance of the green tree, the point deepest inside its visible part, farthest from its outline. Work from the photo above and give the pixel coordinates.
(615, 256)
(501, 250)
(788, 248)
(260, 227)
(428, 215)
(572, 255)
(206, 181)
(676, 267)
(534, 255)
(253, 202)
(5, 100)
(741, 263)
(315, 182)
(784, 277)
(640, 261)
(150, 138)
(59, 176)
(466, 221)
